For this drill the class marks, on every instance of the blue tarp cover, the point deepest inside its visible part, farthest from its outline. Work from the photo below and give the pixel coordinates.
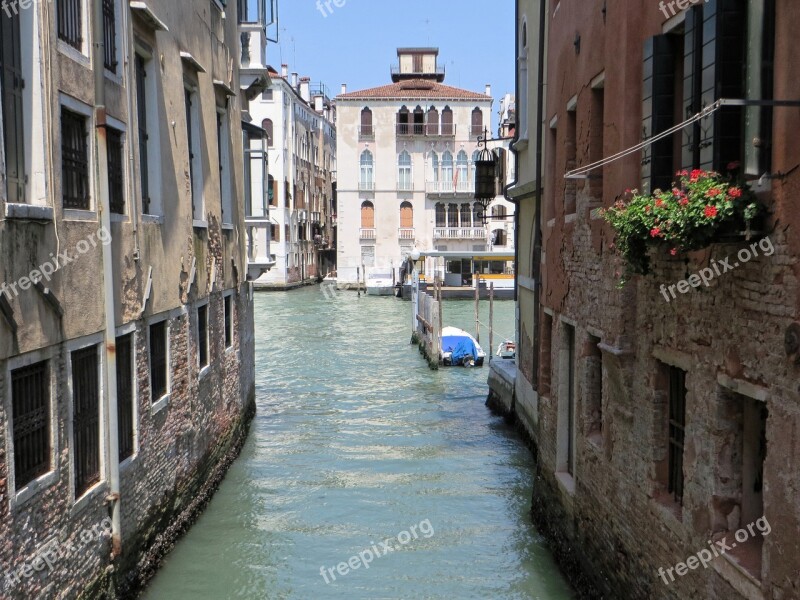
(460, 346)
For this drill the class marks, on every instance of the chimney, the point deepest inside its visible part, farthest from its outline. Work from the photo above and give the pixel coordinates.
(344, 89)
(305, 89)
(285, 71)
(489, 90)
(294, 80)
(319, 105)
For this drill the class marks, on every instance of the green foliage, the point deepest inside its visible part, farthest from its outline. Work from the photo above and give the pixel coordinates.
(685, 218)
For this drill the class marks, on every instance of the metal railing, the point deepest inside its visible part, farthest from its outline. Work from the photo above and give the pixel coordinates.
(459, 233)
(366, 132)
(405, 186)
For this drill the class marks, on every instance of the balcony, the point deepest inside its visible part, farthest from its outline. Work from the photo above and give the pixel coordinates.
(406, 233)
(450, 187)
(367, 234)
(366, 186)
(459, 233)
(316, 217)
(425, 129)
(398, 74)
(366, 132)
(405, 186)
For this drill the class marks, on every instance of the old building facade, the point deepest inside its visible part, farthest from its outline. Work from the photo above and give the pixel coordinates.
(407, 152)
(666, 430)
(300, 123)
(126, 324)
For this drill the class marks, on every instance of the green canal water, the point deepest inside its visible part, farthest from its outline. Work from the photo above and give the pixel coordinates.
(355, 442)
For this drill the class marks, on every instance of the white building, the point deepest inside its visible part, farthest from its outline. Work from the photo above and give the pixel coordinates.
(298, 118)
(406, 178)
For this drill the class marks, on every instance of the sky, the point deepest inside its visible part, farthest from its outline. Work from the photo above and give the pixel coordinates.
(357, 43)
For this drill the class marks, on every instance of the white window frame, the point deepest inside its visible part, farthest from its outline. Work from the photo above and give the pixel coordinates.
(161, 403)
(16, 498)
(130, 329)
(82, 55)
(202, 371)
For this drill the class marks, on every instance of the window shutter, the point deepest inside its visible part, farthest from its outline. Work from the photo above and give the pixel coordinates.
(658, 100)
(12, 84)
(692, 56)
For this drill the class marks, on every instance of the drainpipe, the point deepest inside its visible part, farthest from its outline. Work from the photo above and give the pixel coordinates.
(110, 363)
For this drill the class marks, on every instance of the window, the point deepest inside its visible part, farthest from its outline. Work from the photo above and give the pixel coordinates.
(125, 396)
(433, 121)
(597, 141)
(419, 121)
(406, 215)
(594, 387)
(452, 215)
(194, 150)
(571, 151)
(367, 215)
(367, 130)
(462, 171)
(228, 321)
(499, 237)
(12, 85)
(441, 215)
(556, 175)
(202, 336)
(566, 402)
(435, 166)
(367, 181)
(86, 418)
(30, 401)
(403, 119)
(149, 145)
(275, 233)
(404, 171)
(677, 431)
(478, 214)
(74, 160)
(70, 22)
(268, 126)
(159, 337)
(116, 171)
(110, 35)
(447, 122)
(499, 211)
(272, 192)
(447, 171)
(522, 105)
(224, 157)
(477, 122)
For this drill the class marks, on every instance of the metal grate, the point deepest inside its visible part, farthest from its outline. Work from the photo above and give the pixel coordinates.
(677, 426)
(86, 418)
(30, 392)
(110, 36)
(74, 160)
(158, 360)
(228, 322)
(202, 335)
(70, 22)
(125, 395)
(141, 108)
(116, 171)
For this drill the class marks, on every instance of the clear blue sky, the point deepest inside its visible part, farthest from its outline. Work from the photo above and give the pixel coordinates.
(357, 43)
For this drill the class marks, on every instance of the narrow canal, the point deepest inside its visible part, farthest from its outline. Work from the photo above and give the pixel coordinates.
(356, 443)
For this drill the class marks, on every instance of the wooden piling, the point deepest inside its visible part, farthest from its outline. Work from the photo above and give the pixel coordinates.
(478, 307)
(491, 320)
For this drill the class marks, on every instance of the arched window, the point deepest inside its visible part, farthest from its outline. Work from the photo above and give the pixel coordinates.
(433, 121)
(462, 171)
(435, 167)
(267, 126)
(466, 216)
(367, 181)
(367, 215)
(404, 171)
(419, 121)
(403, 119)
(447, 171)
(406, 215)
(366, 123)
(452, 215)
(441, 215)
(477, 122)
(447, 122)
(499, 237)
(477, 214)
(499, 211)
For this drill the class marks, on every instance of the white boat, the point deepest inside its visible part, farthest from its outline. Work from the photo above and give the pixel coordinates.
(380, 284)
(459, 348)
(507, 350)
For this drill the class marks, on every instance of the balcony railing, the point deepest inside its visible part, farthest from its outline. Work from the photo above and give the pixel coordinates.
(405, 233)
(366, 186)
(450, 187)
(367, 234)
(459, 233)
(426, 129)
(316, 217)
(366, 132)
(405, 186)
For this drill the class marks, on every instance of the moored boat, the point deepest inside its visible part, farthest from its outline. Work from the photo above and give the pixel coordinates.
(380, 284)
(459, 349)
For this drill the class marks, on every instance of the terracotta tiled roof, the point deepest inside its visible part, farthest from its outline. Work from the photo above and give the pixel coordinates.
(412, 89)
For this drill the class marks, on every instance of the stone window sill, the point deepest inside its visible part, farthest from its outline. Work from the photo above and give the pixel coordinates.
(28, 212)
(566, 482)
(34, 487)
(159, 405)
(88, 496)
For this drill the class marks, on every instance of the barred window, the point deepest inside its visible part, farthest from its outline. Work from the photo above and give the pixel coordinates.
(70, 22)
(86, 418)
(125, 395)
(74, 160)
(110, 35)
(228, 321)
(677, 431)
(116, 171)
(30, 394)
(202, 335)
(158, 360)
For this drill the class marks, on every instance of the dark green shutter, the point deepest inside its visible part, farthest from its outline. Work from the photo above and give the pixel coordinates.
(12, 85)
(658, 101)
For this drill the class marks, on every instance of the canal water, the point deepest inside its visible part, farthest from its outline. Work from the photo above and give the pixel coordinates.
(358, 447)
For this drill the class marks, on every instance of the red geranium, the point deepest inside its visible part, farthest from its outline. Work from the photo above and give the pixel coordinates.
(711, 211)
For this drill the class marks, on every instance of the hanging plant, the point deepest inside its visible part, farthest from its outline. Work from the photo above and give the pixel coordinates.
(688, 217)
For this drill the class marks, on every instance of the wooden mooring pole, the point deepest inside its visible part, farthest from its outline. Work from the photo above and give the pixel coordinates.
(478, 307)
(491, 320)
